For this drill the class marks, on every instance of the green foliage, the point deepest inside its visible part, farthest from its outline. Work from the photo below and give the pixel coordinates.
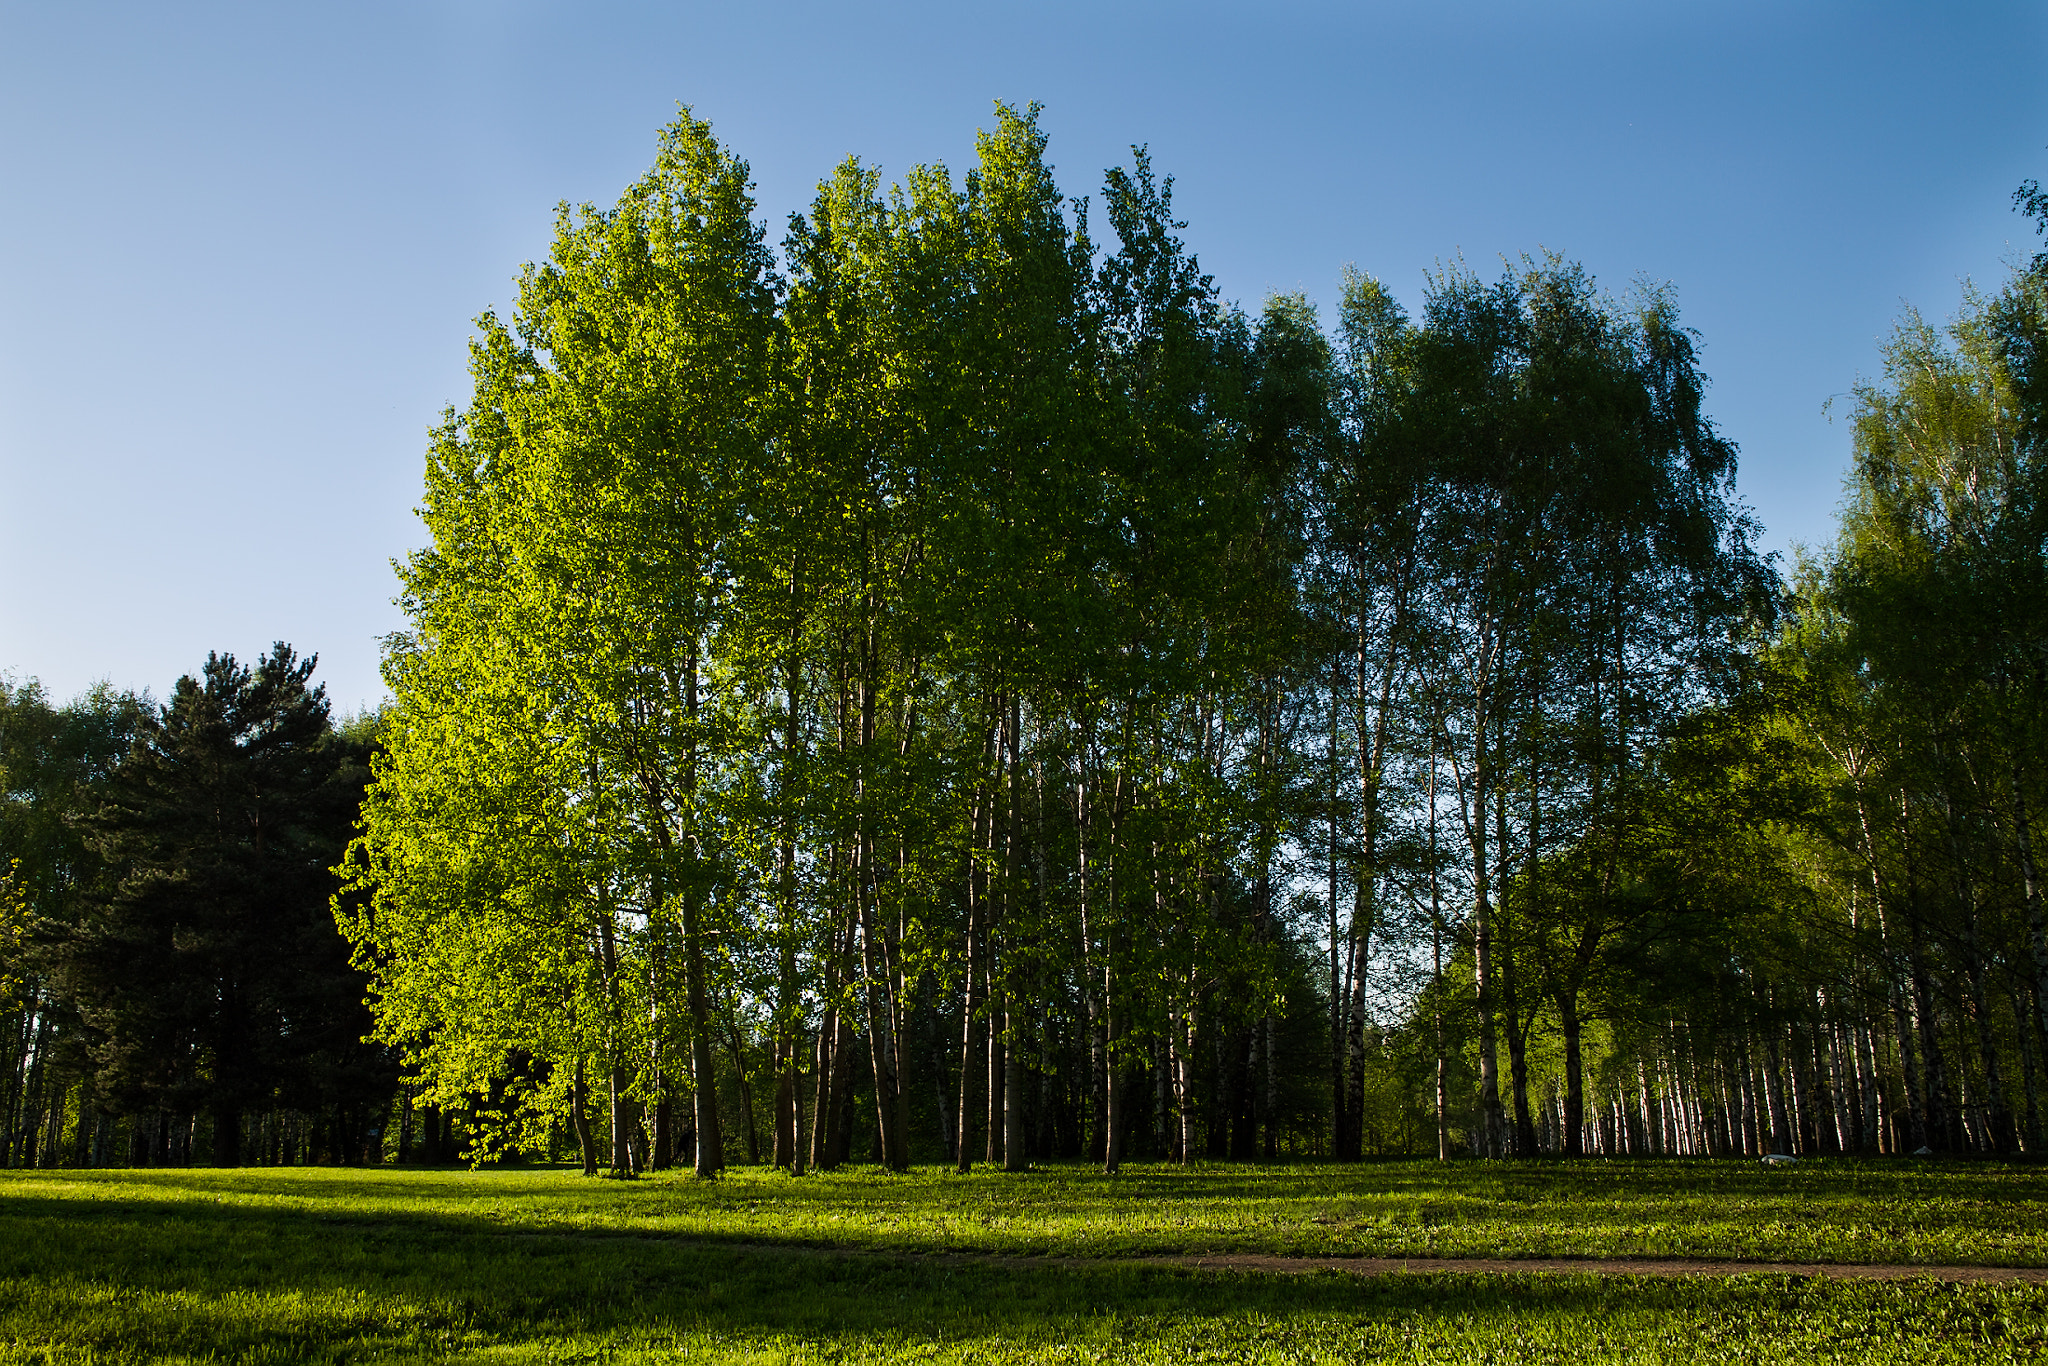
(775, 652)
(54, 761)
(541, 852)
(14, 924)
(1909, 691)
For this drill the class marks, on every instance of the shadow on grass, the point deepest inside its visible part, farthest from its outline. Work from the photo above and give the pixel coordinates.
(144, 1277)
(594, 1277)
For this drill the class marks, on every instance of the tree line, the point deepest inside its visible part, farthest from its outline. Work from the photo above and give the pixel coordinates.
(956, 690)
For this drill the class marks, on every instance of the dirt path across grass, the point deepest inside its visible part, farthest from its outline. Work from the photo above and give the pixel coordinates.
(1394, 1266)
(1385, 1266)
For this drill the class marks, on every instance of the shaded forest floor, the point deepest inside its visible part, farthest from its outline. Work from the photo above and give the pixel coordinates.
(1049, 1266)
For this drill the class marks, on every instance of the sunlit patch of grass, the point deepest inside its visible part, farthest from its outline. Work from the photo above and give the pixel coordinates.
(1820, 1211)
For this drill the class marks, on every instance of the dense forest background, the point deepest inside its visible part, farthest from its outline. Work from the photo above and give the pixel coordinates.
(955, 691)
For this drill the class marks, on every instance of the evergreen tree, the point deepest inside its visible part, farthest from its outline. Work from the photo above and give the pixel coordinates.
(205, 963)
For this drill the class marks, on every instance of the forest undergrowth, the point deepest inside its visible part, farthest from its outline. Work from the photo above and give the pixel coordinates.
(545, 1265)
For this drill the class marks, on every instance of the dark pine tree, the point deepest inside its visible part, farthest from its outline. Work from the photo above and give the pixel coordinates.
(208, 965)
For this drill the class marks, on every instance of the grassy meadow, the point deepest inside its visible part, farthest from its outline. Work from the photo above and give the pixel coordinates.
(544, 1265)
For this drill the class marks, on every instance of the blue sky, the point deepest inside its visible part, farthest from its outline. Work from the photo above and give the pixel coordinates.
(242, 245)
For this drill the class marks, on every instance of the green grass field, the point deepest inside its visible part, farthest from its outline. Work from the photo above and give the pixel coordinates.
(544, 1265)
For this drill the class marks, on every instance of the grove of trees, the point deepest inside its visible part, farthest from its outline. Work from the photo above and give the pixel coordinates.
(954, 690)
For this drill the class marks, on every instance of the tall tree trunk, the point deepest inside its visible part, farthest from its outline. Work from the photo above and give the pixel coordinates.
(736, 1047)
(2030, 882)
(1510, 1000)
(621, 1119)
(1940, 1119)
(1087, 960)
(1774, 1094)
(710, 1155)
(785, 1153)
(703, 1070)
(1436, 959)
(1015, 1158)
(1113, 1119)
(788, 990)
(664, 1154)
(2023, 1031)
(227, 1134)
(881, 1031)
(1356, 958)
(1870, 1126)
(618, 1161)
(1342, 1143)
(879, 987)
(1112, 1006)
(974, 1004)
(1998, 1119)
(998, 1068)
(970, 1007)
(1518, 1062)
(821, 1102)
(81, 1144)
(830, 1067)
(1569, 1027)
(1491, 1119)
(1910, 1072)
(1372, 744)
(1180, 1060)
